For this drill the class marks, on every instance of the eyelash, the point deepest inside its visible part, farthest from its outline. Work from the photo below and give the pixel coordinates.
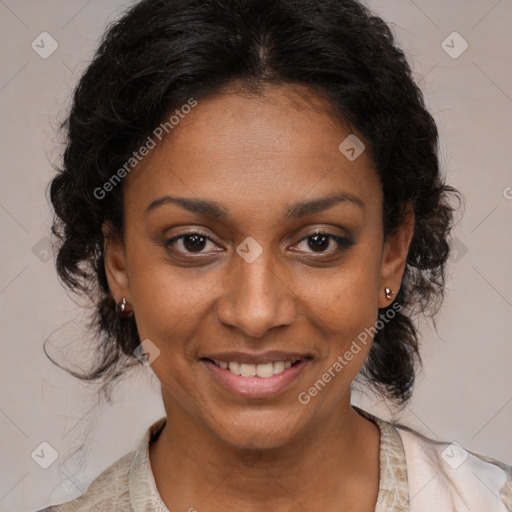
(343, 243)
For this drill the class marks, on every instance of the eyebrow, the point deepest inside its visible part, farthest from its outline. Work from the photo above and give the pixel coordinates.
(299, 209)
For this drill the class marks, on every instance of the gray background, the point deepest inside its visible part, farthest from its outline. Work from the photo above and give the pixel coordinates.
(464, 393)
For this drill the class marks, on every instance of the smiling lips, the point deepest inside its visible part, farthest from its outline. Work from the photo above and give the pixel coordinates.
(256, 376)
(262, 365)
(254, 370)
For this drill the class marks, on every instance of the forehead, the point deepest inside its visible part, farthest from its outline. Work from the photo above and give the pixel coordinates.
(278, 145)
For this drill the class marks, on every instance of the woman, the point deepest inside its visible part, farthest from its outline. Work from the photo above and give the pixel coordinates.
(251, 195)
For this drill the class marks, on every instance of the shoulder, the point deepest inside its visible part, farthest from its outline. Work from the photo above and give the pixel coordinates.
(107, 492)
(442, 473)
(126, 482)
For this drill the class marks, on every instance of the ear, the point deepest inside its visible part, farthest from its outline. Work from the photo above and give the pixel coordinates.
(115, 264)
(394, 258)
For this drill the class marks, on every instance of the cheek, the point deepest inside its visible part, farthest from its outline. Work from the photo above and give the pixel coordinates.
(167, 306)
(345, 299)
(345, 307)
(167, 300)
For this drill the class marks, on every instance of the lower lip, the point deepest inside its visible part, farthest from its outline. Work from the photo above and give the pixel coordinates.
(256, 387)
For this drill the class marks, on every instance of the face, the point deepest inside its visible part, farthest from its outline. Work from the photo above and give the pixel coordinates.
(250, 237)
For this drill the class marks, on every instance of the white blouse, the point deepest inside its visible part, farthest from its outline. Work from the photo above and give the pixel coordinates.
(416, 475)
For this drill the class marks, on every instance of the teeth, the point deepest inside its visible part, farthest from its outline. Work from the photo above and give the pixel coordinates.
(278, 367)
(247, 370)
(265, 370)
(232, 367)
(252, 370)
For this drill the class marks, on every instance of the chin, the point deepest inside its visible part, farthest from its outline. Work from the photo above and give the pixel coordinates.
(257, 430)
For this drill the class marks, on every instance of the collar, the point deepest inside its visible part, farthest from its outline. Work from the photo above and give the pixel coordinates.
(144, 496)
(393, 485)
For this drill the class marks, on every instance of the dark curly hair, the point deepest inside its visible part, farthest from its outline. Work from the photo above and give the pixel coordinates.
(161, 53)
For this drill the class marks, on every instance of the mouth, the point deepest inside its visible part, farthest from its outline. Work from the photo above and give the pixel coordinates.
(256, 380)
(262, 370)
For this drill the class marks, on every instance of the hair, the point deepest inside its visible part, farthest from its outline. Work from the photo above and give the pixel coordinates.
(161, 53)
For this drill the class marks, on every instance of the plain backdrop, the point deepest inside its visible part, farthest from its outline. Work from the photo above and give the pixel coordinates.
(464, 392)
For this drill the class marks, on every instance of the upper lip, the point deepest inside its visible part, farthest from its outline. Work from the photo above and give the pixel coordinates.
(260, 358)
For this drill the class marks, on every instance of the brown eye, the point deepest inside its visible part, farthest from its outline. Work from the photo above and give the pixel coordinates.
(189, 243)
(320, 243)
(194, 243)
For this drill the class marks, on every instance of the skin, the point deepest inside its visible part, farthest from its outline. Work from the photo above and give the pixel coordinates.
(256, 156)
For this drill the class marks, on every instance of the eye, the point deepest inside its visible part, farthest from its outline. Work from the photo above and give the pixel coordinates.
(189, 243)
(320, 242)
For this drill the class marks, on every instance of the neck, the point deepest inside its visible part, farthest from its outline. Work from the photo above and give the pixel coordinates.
(194, 468)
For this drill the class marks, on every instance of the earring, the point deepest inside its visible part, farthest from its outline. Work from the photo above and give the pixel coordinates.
(389, 293)
(123, 309)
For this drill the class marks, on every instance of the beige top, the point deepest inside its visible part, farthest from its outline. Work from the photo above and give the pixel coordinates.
(129, 485)
(406, 469)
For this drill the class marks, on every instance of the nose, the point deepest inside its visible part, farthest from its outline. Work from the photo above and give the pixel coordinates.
(256, 297)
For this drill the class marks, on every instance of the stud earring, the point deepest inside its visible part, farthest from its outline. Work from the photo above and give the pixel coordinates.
(389, 293)
(123, 309)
